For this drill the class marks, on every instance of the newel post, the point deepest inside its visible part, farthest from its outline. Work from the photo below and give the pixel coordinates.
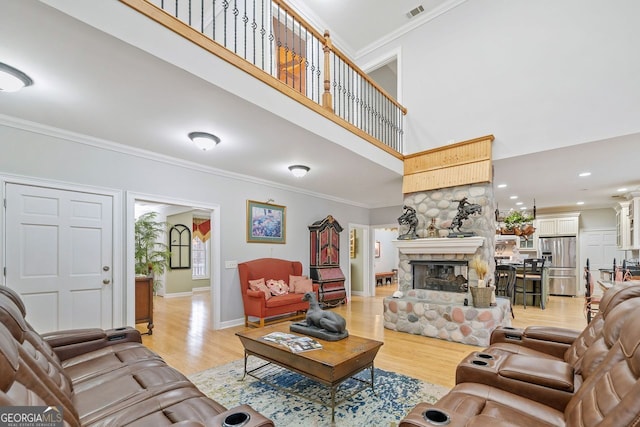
(327, 101)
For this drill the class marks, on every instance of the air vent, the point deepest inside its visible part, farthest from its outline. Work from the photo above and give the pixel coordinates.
(415, 11)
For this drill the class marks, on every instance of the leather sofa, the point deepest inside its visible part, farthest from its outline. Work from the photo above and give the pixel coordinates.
(99, 377)
(593, 382)
(282, 307)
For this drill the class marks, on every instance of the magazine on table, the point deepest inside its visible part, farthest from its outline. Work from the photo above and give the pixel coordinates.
(295, 343)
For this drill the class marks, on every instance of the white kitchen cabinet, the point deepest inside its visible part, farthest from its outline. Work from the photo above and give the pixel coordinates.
(623, 235)
(634, 223)
(628, 223)
(566, 225)
(528, 245)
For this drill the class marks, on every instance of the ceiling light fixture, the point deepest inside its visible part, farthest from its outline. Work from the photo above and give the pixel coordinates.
(583, 174)
(513, 197)
(620, 190)
(299, 170)
(12, 79)
(580, 203)
(203, 140)
(502, 185)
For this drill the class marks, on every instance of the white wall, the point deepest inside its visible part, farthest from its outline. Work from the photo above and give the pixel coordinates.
(31, 154)
(505, 67)
(597, 219)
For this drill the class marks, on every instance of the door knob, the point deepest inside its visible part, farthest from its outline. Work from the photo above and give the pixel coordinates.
(106, 281)
(105, 268)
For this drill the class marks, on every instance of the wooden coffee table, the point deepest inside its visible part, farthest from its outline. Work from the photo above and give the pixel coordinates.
(331, 365)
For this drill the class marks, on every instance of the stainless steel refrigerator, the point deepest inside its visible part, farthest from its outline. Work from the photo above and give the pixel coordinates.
(561, 257)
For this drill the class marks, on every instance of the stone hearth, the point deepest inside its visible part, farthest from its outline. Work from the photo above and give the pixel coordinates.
(437, 315)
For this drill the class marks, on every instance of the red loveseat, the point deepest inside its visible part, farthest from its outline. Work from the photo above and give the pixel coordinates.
(285, 307)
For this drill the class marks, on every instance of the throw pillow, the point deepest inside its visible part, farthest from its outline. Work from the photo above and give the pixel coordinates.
(259, 285)
(293, 280)
(277, 287)
(303, 286)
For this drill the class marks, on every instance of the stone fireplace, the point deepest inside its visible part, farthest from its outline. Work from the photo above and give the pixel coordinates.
(446, 312)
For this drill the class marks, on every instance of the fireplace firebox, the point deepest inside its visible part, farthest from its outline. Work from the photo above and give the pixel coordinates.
(441, 275)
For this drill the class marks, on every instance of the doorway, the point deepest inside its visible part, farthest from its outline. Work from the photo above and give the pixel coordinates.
(359, 259)
(386, 259)
(180, 282)
(386, 72)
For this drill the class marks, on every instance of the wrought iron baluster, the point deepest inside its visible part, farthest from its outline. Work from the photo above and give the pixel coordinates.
(225, 6)
(254, 26)
(236, 12)
(213, 20)
(271, 39)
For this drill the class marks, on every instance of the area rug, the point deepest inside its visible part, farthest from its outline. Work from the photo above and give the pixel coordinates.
(395, 395)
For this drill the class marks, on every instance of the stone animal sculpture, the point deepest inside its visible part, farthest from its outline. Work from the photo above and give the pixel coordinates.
(317, 317)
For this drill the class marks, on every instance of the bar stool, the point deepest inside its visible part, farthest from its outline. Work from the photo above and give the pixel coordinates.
(532, 273)
(505, 276)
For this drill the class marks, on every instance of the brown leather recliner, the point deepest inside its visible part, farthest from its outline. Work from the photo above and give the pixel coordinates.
(559, 343)
(545, 380)
(607, 398)
(99, 378)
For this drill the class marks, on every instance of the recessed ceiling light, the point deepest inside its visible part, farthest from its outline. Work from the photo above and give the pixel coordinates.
(584, 174)
(502, 185)
(580, 203)
(620, 190)
(522, 208)
(513, 197)
(519, 203)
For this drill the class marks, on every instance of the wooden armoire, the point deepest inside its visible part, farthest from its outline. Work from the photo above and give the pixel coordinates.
(324, 265)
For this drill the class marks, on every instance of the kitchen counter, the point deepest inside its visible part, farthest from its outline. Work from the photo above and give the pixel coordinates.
(606, 284)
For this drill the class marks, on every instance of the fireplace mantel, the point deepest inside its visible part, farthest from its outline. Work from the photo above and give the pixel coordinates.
(440, 245)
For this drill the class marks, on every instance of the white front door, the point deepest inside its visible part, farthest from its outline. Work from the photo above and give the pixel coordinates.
(59, 256)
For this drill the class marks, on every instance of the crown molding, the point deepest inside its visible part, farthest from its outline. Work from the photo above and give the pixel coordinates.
(411, 25)
(103, 144)
(312, 18)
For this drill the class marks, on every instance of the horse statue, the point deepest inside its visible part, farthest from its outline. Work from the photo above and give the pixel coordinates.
(409, 218)
(464, 210)
(327, 320)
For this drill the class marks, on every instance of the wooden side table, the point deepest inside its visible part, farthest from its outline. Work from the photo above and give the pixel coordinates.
(144, 302)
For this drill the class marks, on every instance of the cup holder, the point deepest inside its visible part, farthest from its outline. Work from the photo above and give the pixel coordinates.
(479, 362)
(484, 356)
(436, 417)
(236, 419)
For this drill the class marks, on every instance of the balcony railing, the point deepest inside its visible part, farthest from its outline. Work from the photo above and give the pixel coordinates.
(274, 38)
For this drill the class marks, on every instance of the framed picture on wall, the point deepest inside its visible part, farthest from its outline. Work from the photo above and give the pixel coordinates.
(266, 222)
(377, 249)
(352, 243)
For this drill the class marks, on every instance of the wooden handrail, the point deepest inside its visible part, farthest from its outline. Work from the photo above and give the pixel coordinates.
(362, 74)
(299, 18)
(324, 106)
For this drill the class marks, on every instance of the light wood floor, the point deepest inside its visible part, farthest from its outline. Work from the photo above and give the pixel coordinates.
(182, 335)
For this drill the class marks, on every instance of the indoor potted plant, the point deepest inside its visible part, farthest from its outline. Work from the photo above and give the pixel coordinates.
(151, 255)
(518, 223)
